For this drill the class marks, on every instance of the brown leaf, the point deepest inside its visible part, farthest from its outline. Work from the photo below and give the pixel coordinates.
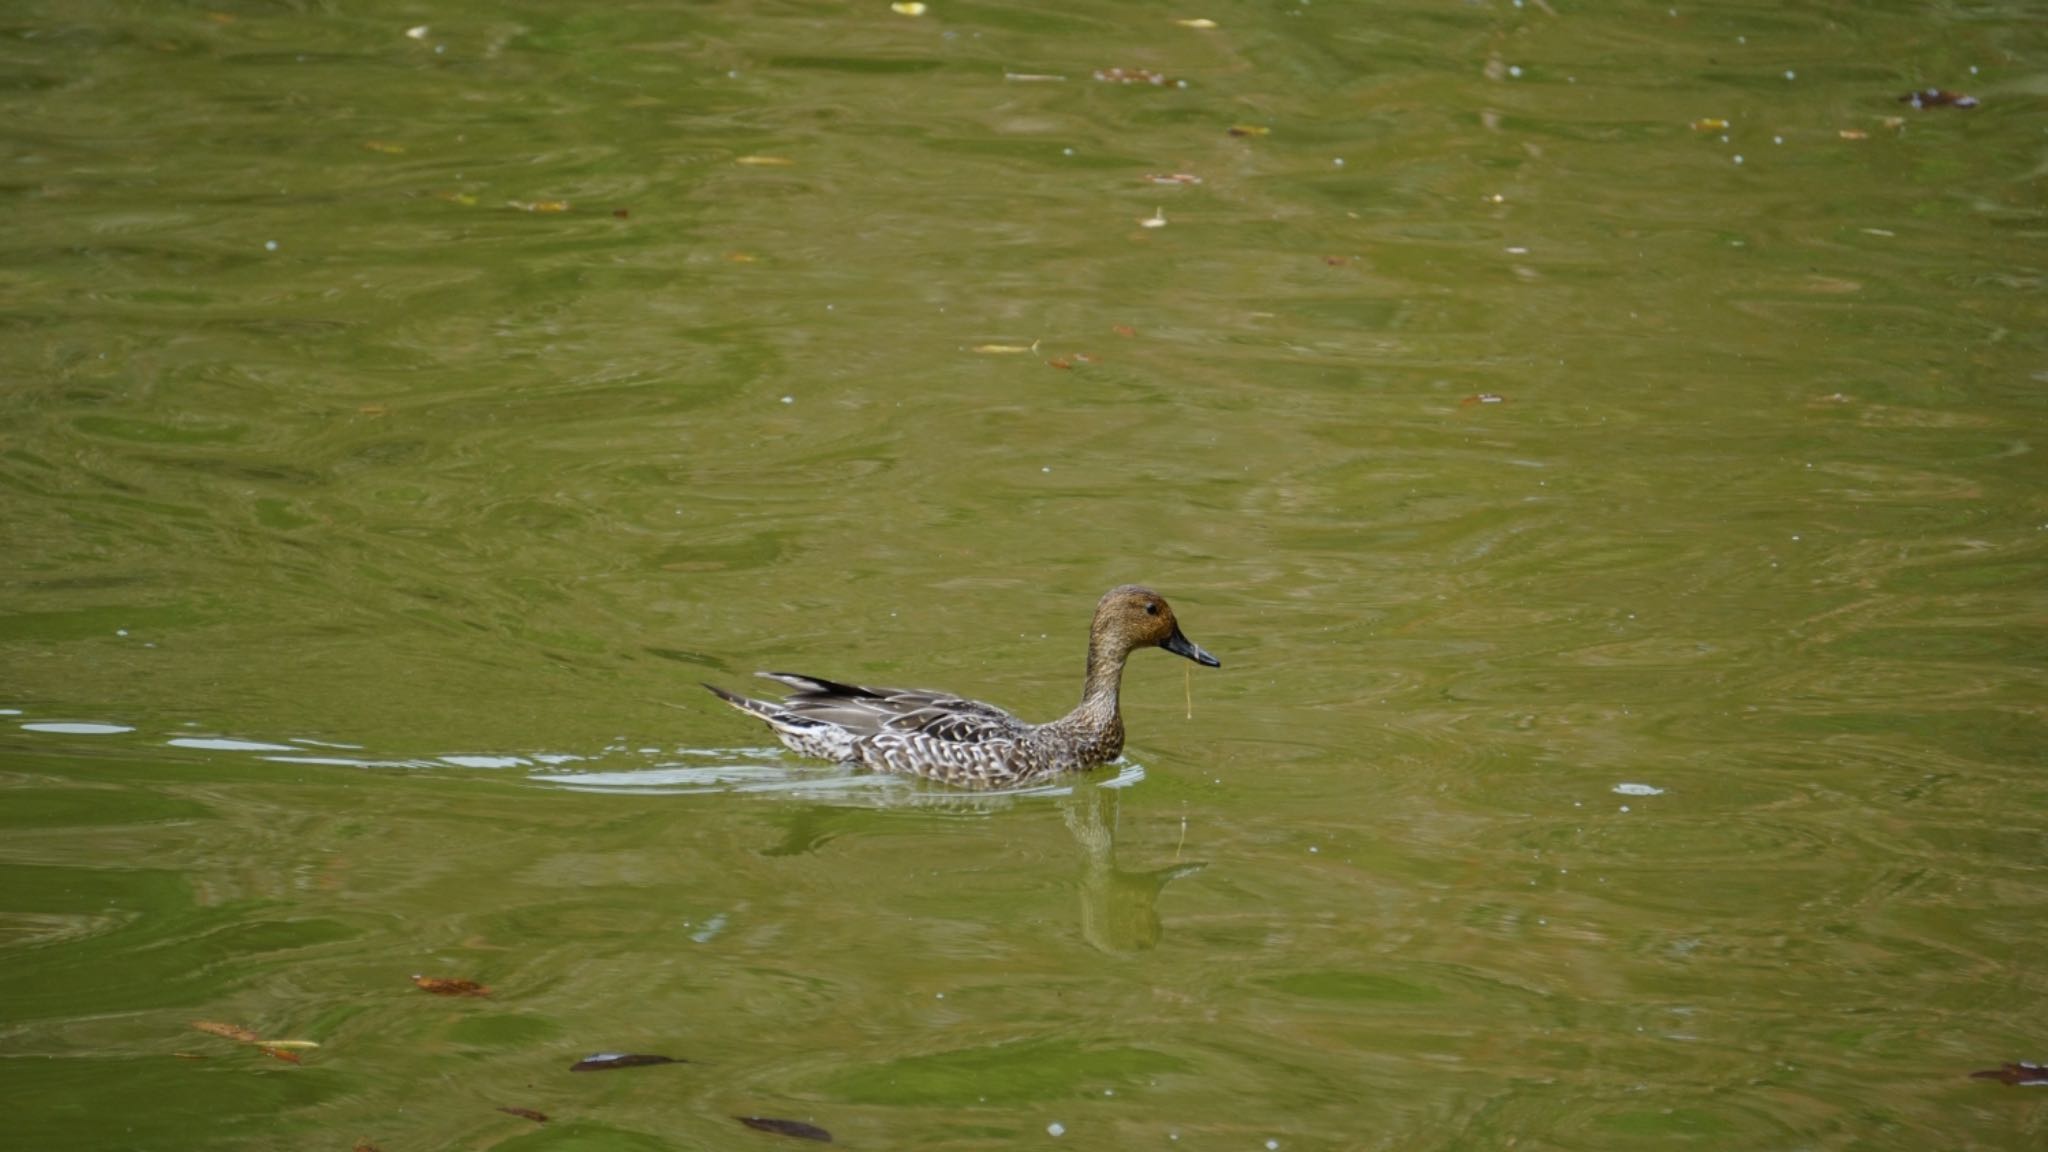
(796, 1128)
(622, 213)
(605, 1061)
(2017, 1075)
(1249, 130)
(231, 1031)
(1124, 330)
(441, 987)
(284, 1054)
(1058, 362)
(526, 1114)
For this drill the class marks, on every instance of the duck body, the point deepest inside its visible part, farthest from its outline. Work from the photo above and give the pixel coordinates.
(969, 743)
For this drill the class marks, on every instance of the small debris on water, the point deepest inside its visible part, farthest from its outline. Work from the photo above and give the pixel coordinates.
(1938, 98)
(270, 245)
(1130, 76)
(417, 32)
(526, 1114)
(2020, 1074)
(1638, 790)
(440, 987)
(1156, 220)
(907, 8)
(796, 1128)
(1055, 1129)
(606, 1061)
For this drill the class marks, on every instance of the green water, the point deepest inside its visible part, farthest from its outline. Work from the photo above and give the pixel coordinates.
(395, 429)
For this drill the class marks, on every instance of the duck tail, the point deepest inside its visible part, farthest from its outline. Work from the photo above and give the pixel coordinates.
(756, 708)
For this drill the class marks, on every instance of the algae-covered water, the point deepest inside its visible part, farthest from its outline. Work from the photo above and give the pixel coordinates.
(1600, 444)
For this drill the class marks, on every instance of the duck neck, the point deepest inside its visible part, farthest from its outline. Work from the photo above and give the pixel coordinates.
(1099, 694)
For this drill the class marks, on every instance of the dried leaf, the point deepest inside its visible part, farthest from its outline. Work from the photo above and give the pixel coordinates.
(1335, 261)
(231, 1031)
(441, 987)
(1710, 124)
(1249, 130)
(605, 1061)
(1124, 330)
(1938, 98)
(1059, 363)
(1854, 134)
(283, 1054)
(2021, 1074)
(765, 161)
(526, 1114)
(542, 206)
(622, 213)
(796, 1128)
(740, 257)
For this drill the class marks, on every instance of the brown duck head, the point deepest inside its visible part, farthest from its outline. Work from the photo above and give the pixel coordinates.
(1130, 617)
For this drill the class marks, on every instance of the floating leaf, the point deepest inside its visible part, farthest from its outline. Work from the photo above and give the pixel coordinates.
(622, 213)
(2021, 1074)
(1710, 124)
(1249, 130)
(284, 1054)
(1173, 178)
(526, 1114)
(231, 1031)
(1003, 349)
(1198, 22)
(765, 161)
(441, 987)
(1034, 78)
(796, 1128)
(907, 8)
(288, 1043)
(545, 206)
(1854, 134)
(1938, 98)
(1057, 362)
(1124, 330)
(605, 1061)
(1335, 261)
(385, 146)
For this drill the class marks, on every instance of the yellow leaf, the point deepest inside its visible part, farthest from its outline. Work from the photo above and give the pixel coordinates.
(1002, 349)
(1198, 22)
(1249, 130)
(1710, 124)
(907, 8)
(765, 161)
(288, 1043)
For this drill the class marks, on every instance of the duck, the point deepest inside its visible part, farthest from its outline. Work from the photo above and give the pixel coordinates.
(969, 743)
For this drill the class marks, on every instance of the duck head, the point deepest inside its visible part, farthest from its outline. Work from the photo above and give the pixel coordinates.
(1130, 617)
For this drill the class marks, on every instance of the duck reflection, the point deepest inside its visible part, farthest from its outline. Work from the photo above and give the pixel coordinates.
(1119, 908)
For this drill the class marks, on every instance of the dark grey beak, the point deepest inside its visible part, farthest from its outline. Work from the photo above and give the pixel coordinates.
(1180, 645)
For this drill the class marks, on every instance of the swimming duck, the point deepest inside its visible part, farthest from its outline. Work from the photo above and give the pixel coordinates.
(966, 742)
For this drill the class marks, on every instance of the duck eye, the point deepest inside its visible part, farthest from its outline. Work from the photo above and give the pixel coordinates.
(1152, 609)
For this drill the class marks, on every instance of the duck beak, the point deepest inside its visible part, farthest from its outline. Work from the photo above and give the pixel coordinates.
(1180, 645)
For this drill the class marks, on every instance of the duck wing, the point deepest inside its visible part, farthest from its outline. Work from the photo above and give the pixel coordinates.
(868, 711)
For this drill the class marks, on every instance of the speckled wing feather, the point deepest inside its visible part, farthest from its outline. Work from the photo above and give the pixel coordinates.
(897, 711)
